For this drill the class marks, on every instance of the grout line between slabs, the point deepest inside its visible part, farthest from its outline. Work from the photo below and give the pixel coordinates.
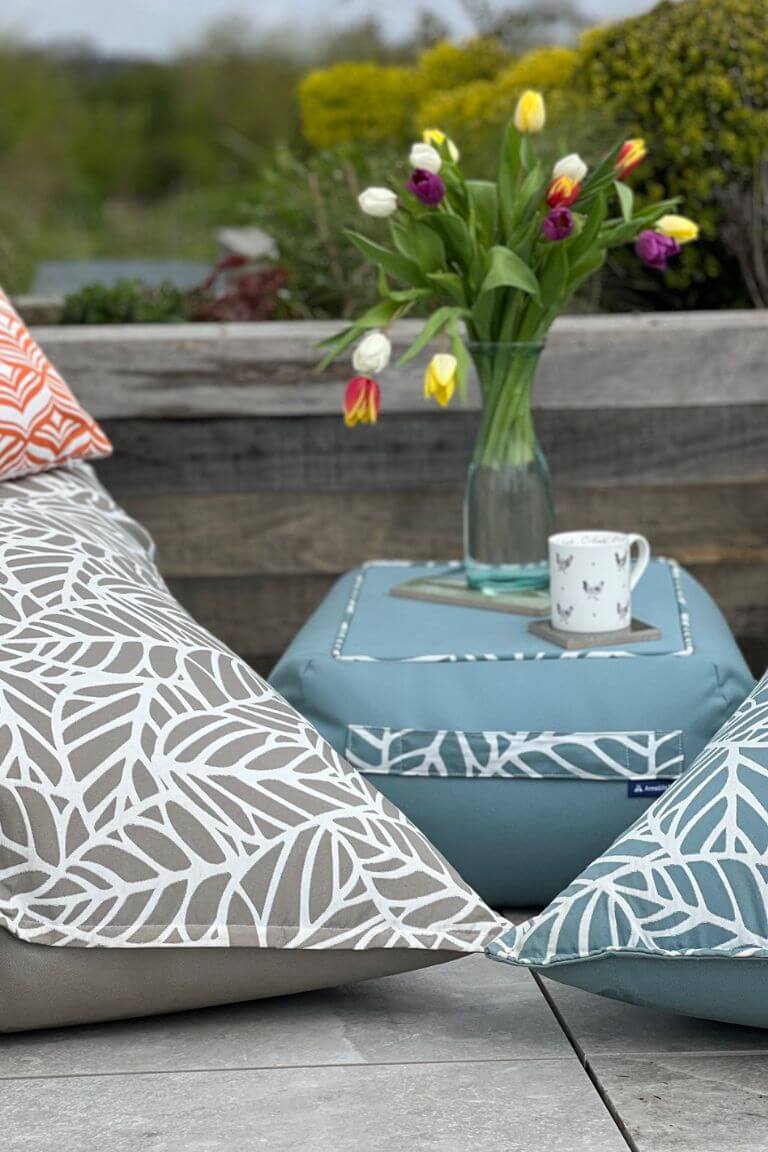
(687, 1053)
(360, 1064)
(590, 1071)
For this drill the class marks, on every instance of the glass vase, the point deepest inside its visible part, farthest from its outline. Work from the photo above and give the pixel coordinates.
(508, 505)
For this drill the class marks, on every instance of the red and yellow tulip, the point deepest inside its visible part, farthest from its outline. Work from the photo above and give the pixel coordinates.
(631, 153)
(362, 401)
(562, 192)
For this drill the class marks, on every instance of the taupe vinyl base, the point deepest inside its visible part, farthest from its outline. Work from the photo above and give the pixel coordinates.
(44, 987)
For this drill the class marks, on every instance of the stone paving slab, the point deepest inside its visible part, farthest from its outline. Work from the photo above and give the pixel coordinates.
(694, 1103)
(517, 1105)
(599, 1027)
(469, 1009)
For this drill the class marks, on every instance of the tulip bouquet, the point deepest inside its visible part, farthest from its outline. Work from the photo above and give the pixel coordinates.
(497, 261)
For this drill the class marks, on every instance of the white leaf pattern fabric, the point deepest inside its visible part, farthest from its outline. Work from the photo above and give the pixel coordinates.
(154, 791)
(515, 755)
(689, 879)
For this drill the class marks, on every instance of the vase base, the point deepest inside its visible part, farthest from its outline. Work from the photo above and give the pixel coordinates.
(492, 578)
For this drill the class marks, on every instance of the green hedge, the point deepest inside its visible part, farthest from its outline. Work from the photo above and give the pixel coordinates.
(692, 78)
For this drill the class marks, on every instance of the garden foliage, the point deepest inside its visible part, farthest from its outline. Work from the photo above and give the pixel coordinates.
(691, 77)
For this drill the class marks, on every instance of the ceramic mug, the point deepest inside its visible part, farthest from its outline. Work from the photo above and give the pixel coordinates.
(591, 579)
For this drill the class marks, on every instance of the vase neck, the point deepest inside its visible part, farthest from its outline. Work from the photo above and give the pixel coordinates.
(505, 373)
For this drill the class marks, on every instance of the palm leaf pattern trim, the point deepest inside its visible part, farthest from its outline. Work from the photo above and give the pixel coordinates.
(515, 755)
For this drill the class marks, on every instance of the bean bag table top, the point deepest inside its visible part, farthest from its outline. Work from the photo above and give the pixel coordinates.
(485, 734)
(674, 915)
(157, 796)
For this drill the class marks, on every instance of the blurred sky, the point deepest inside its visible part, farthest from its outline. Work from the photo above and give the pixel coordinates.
(158, 27)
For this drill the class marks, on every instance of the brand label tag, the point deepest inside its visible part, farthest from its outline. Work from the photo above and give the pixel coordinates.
(647, 789)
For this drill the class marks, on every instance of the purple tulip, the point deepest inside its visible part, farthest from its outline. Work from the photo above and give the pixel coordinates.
(655, 249)
(557, 224)
(426, 186)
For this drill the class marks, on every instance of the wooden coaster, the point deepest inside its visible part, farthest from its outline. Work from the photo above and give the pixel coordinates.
(638, 632)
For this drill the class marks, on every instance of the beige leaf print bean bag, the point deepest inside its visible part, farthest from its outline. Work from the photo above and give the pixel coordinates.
(172, 833)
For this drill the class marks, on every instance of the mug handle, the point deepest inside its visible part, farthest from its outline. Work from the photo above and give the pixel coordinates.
(643, 557)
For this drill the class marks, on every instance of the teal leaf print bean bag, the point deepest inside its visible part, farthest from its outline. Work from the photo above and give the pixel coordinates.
(674, 915)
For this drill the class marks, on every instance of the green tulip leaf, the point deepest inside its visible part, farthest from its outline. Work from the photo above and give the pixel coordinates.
(393, 263)
(378, 316)
(484, 209)
(459, 350)
(602, 175)
(626, 199)
(585, 267)
(581, 243)
(417, 242)
(449, 283)
(553, 279)
(434, 325)
(509, 167)
(454, 234)
(507, 270)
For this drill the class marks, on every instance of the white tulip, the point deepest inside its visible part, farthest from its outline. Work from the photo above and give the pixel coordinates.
(426, 157)
(571, 166)
(372, 354)
(379, 202)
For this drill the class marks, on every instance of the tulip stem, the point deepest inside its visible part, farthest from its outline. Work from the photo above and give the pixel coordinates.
(505, 372)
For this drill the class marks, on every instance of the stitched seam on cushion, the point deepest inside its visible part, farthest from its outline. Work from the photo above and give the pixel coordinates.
(498, 952)
(350, 608)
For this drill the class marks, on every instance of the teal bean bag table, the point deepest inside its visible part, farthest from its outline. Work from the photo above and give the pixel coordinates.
(520, 761)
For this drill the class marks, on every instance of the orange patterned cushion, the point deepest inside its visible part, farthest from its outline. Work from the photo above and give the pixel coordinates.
(41, 423)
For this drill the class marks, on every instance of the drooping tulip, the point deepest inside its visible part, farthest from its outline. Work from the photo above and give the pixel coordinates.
(437, 138)
(362, 401)
(631, 153)
(426, 186)
(440, 378)
(571, 166)
(379, 202)
(372, 354)
(426, 157)
(558, 224)
(530, 113)
(562, 192)
(680, 228)
(655, 249)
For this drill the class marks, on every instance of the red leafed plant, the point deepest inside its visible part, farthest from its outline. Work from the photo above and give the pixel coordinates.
(237, 290)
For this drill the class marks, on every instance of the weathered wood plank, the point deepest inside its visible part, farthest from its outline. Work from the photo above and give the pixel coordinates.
(242, 534)
(430, 449)
(201, 370)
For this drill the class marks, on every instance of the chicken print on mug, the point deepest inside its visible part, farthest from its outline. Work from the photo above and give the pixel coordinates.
(592, 576)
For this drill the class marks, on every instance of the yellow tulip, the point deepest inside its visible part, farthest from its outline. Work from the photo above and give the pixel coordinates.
(530, 113)
(678, 228)
(440, 378)
(437, 138)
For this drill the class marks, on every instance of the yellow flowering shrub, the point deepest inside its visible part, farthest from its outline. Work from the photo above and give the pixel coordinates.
(492, 101)
(692, 78)
(449, 65)
(543, 68)
(357, 102)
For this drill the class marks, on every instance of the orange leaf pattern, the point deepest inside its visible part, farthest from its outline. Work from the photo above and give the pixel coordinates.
(41, 423)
